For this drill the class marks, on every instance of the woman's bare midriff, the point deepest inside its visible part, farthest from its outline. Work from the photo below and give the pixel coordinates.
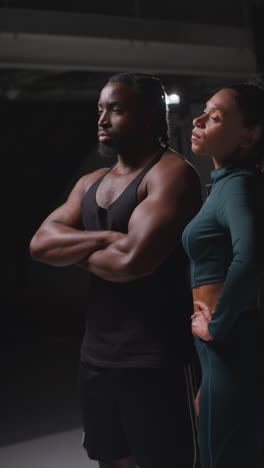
(209, 293)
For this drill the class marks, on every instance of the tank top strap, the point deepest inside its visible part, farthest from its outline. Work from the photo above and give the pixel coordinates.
(151, 163)
(95, 184)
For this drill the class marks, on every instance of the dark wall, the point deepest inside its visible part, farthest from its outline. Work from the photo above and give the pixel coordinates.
(46, 146)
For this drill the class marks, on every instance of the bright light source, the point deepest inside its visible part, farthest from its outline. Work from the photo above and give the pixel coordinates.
(172, 99)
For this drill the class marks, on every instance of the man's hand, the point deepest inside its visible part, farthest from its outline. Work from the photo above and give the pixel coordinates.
(113, 236)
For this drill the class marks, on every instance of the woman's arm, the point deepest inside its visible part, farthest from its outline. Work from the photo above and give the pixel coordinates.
(239, 211)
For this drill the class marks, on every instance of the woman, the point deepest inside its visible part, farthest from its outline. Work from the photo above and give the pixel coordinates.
(225, 245)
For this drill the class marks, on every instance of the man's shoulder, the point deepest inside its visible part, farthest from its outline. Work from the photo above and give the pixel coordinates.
(87, 180)
(178, 164)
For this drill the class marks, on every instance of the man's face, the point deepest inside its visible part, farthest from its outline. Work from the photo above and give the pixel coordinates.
(122, 119)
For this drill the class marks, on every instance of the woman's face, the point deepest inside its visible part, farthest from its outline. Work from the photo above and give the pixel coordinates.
(219, 132)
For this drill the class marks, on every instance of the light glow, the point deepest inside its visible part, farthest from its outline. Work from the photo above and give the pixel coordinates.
(172, 98)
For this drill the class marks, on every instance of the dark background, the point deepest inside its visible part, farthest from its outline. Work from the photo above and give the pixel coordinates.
(48, 140)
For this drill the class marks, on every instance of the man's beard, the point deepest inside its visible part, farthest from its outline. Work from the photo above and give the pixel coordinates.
(107, 152)
(117, 145)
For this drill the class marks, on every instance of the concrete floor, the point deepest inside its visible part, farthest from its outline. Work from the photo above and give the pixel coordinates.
(61, 450)
(40, 423)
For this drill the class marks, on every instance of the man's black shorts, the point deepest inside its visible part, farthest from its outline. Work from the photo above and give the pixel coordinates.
(147, 413)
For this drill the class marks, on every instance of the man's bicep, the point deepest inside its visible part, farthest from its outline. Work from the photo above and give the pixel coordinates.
(172, 200)
(155, 227)
(153, 216)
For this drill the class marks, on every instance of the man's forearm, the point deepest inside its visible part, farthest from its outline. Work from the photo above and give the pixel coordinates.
(115, 263)
(113, 271)
(61, 245)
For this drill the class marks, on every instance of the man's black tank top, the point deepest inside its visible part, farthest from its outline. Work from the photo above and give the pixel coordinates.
(141, 323)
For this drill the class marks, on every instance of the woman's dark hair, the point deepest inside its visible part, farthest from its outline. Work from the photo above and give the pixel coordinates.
(250, 99)
(152, 92)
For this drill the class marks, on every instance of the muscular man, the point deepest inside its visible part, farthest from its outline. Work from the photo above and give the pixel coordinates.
(123, 224)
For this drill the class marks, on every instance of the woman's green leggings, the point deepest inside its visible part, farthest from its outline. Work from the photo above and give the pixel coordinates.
(231, 413)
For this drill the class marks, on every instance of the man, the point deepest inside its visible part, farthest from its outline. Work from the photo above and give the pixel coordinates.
(124, 225)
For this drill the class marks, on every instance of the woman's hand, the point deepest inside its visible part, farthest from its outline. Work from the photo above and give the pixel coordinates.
(200, 320)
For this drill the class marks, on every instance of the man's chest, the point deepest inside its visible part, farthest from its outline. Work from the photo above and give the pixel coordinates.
(112, 187)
